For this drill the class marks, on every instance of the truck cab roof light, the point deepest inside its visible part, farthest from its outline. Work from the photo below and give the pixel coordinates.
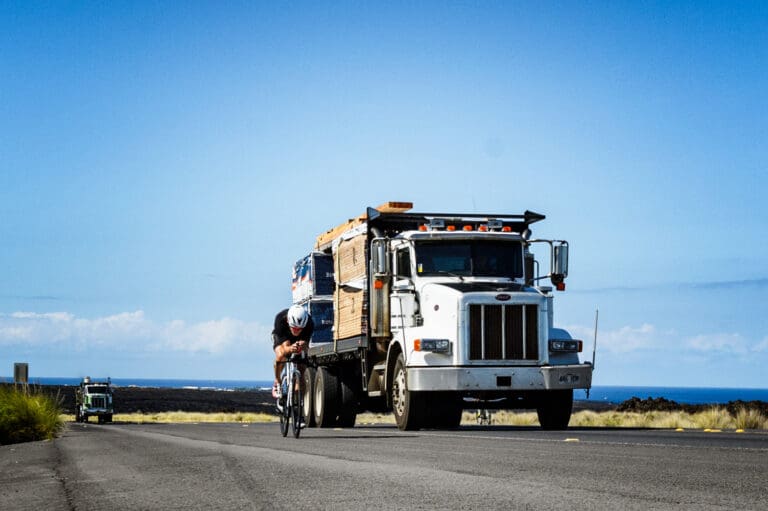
(467, 228)
(506, 228)
(483, 228)
(450, 228)
(423, 227)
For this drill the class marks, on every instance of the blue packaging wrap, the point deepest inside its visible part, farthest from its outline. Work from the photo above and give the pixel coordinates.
(312, 277)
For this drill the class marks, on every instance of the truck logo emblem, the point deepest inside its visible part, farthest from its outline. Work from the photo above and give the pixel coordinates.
(503, 297)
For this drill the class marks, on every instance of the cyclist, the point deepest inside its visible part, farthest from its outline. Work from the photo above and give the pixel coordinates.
(293, 329)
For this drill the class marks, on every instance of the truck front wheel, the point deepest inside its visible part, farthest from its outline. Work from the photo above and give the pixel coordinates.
(406, 405)
(554, 409)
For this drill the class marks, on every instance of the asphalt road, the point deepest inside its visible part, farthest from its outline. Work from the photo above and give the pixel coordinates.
(234, 466)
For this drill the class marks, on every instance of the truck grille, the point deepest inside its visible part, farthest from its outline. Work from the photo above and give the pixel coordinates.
(98, 402)
(503, 332)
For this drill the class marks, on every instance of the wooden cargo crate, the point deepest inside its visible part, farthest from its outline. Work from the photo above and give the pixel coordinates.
(350, 262)
(326, 238)
(350, 312)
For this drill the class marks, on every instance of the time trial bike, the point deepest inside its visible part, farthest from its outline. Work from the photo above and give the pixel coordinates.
(290, 405)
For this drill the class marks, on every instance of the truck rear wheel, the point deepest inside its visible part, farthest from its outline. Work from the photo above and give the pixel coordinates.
(407, 406)
(309, 396)
(554, 409)
(326, 397)
(348, 408)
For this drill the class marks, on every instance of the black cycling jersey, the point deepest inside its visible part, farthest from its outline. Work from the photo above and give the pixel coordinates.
(282, 331)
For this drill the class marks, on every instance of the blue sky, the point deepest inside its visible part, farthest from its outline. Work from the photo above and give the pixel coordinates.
(162, 164)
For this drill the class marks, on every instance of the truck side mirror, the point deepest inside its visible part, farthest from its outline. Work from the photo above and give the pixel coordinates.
(379, 258)
(560, 259)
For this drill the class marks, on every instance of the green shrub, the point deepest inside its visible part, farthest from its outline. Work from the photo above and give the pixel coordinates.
(26, 414)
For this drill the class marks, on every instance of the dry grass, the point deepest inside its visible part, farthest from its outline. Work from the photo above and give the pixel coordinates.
(712, 418)
(171, 417)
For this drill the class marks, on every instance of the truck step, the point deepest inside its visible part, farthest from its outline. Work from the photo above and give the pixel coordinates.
(375, 393)
(379, 368)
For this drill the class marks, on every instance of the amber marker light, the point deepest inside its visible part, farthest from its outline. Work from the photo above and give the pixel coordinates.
(378, 284)
(450, 228)
(467, 227)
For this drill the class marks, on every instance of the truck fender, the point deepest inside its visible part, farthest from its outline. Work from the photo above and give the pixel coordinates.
(559, 333)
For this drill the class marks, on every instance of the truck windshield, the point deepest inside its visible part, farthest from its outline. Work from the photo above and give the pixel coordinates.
(469, 258)
(97, 389)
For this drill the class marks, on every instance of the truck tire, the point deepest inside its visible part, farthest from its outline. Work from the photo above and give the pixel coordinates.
(326, 397)
(407, 406)
(444, 411)
(348, 408)
(309, 396)
(554, 409)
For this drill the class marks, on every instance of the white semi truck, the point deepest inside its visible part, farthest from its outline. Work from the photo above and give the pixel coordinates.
(434, 313)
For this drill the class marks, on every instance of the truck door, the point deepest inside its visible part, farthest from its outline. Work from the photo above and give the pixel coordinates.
(404, 306)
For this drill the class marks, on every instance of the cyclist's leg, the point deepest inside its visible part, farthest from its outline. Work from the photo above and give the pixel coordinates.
(281, 355)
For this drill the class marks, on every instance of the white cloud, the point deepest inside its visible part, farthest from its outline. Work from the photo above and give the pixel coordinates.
(622, 340)
(761, 346)
(721, 343)
(129, 331)
(212, 336)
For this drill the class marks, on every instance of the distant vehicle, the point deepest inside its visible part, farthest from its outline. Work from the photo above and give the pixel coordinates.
(94, 398)
(434, 313)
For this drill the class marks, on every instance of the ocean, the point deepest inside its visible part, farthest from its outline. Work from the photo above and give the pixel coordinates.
(603, 393)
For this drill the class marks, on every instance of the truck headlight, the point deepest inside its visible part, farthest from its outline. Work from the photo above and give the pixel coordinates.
(565, 346)
(433, 345)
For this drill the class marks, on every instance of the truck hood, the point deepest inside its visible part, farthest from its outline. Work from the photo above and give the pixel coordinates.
(484, 287)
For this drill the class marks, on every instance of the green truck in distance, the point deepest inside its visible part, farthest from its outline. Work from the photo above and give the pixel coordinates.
(94, 398)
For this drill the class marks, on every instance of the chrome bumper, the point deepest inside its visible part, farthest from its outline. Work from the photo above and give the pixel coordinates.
(573, 376)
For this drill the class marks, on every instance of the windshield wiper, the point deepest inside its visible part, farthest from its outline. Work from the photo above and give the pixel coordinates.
(443, 272)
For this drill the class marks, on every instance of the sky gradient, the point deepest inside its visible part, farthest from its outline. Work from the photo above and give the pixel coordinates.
(163, 164)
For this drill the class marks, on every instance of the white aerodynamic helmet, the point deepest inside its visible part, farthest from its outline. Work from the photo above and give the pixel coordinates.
(297, 316)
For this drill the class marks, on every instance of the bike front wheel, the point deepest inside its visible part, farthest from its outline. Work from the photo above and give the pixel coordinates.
(297, 408)
(285, 413)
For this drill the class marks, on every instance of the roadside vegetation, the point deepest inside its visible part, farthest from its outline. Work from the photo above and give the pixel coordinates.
(27, 414)
(708, 419)
(170, 417)
(713, 418)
